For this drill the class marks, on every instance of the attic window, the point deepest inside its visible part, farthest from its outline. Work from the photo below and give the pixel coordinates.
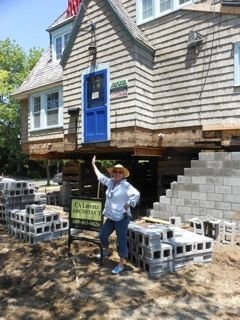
(148, 10)
(60, 44)
(60, 37)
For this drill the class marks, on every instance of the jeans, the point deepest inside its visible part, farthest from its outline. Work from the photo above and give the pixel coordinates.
(121, 228)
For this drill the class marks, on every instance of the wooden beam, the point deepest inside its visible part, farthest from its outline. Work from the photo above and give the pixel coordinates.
(216, 8)
(221, 127)
(148, 151)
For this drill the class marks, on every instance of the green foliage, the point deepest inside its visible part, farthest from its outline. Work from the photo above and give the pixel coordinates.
(107, 163)
(15, 65)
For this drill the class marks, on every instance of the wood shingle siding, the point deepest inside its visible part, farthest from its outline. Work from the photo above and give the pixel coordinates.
(193, 88)
(126, 61)
(172, 88)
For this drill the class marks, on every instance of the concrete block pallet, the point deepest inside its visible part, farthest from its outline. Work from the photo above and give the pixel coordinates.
(36, 224)
(16, 195)
(158, 249)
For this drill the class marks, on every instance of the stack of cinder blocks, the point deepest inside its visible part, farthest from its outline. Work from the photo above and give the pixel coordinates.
(16, 195)
(158, 249)
(36, 224)
(224, 231)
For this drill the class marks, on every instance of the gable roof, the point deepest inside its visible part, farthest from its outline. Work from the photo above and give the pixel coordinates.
(44, 73)
(48, 72)
(127, 22)
(60, 21)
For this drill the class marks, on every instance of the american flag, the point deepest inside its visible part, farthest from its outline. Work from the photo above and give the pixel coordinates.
(73, 7)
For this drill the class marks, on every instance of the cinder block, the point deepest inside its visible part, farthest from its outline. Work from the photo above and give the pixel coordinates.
(202, 258)
(56, 234)
(155, 270)
(151, 237)
(28, 199)
(37, 228)
(64, 223)
(206, 156)
(168, 231)
(33, 238)
(34, 208)
(231, 181)
(48, 216)
(182, 262)
(160, 253)
(212, 228)
(184, 179)
(229, 232)
(197, 226)
(201, 244)
(40, 197)
(175, 221)
(182, 246)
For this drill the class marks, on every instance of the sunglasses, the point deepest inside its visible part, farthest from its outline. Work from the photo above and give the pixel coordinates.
(119, 172)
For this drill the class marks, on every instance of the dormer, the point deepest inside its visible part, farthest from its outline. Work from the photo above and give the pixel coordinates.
(59, 33)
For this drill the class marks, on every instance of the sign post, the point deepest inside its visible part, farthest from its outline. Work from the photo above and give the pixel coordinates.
(85, 214)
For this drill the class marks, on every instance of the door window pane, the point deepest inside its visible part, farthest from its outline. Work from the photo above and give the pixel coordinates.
(95, 90)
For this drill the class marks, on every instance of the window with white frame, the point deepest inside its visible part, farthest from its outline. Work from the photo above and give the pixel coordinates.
(52, 108)
(36, 111)
(151, 9)
(237, 64)
(46, 110)
(60, 39)
(60, 44)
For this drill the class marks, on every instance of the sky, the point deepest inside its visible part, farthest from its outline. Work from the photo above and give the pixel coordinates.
(26, 21)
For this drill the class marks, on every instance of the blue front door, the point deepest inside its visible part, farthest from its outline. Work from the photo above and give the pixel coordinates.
(95, 106)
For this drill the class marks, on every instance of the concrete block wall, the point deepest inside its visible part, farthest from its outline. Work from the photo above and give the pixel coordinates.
(211, 187)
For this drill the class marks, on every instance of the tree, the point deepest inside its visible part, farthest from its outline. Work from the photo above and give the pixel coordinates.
(15, 65)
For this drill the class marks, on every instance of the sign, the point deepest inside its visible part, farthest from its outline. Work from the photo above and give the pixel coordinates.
(119, 89)
(86, 213)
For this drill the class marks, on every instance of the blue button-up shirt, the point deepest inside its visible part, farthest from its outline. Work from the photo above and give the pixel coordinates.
(117, 195)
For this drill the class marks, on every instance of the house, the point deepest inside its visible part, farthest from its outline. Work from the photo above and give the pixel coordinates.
(149, 80)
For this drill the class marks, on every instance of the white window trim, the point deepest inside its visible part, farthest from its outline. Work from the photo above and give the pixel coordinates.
(43, 110)
(156, 11)
(237, 63)
(59, 33)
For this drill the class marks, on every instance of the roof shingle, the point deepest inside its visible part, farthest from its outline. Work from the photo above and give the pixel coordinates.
(44, 73)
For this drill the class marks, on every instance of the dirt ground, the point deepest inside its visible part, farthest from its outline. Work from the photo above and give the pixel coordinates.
(41, 282)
